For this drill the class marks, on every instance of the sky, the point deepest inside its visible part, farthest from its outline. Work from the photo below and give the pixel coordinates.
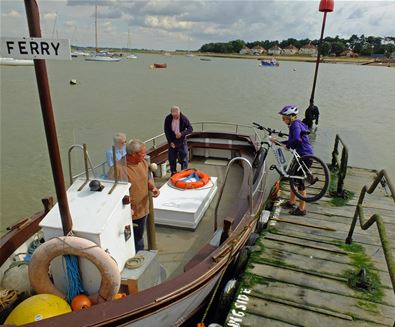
(171, 25)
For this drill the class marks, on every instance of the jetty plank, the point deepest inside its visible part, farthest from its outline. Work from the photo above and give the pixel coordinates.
(298, 276)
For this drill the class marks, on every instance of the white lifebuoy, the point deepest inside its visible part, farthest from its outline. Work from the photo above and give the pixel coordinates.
(71, 245)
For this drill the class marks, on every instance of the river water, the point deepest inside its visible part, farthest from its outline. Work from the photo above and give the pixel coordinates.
(355, 101)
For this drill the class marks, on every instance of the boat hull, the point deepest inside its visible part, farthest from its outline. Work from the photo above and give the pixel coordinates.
(160, 65)
(15, 62)
(104, 59)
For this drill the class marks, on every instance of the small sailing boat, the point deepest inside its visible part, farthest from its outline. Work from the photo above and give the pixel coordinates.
(130, 56)
(100, 56)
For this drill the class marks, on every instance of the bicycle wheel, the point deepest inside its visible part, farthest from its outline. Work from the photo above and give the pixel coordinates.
(315, 180)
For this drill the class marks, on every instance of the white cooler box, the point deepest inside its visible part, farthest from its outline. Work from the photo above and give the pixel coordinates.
(183, 208)
(99, 217)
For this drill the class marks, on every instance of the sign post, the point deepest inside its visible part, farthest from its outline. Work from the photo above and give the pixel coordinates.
(33, 19)
(35, 48)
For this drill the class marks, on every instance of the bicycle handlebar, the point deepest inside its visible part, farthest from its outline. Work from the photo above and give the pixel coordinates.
(269, 130)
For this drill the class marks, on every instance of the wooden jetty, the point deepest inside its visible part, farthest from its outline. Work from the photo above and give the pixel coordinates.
(300, 270)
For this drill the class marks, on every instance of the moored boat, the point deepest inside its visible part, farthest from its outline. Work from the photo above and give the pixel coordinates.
(160, 65)
(211, 248)
(15, 62)
(269, 63)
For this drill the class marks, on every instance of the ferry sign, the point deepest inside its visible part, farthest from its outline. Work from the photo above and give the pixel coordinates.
(35, 48)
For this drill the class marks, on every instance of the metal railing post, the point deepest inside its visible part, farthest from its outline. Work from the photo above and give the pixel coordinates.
(231, 162)
(342, 166)
(359, 213)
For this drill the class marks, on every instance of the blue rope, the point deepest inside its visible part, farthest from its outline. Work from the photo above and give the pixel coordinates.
(190, 177)
(73, 277)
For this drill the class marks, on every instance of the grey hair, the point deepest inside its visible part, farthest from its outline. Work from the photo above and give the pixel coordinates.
(175, 108)
(119, 136)
(134, 146)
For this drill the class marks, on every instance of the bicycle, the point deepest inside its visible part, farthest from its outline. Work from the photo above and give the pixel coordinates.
(307, 174)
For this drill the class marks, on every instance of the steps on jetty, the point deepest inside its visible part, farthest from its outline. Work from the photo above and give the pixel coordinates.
(298, 275)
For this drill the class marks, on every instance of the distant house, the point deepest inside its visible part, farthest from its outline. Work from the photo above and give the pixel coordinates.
(308, 50)
(392, 55)
(349, 53)
(258, 50)
(245, 50)
(274, 51)
(290, 50)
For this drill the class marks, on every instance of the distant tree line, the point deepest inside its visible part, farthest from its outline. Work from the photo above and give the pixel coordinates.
(361, 45)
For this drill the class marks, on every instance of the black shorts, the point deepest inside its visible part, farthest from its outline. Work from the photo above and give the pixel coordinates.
(300, 182)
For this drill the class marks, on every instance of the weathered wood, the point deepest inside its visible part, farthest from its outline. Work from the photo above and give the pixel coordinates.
(307, 317)
(315, 264)
(302, 268)
(323, 253)
(306, 279)
(381, 314)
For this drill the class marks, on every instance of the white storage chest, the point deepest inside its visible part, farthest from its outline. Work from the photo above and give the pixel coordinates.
(99, 217)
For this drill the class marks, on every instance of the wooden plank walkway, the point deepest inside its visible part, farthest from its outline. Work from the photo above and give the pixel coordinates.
(298, 275)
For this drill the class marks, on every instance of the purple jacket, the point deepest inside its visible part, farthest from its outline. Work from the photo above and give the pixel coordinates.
(297, 140)
(185, 129)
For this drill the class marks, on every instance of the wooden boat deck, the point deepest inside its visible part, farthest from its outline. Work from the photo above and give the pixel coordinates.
(298, 277)
(176, 245)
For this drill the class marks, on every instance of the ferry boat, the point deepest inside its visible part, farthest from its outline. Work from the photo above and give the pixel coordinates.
(200, 236)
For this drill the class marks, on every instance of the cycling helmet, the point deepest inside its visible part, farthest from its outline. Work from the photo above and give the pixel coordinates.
(289, 110)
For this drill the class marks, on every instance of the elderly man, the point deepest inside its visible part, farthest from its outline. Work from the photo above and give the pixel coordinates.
(137, 173)
(120, 149)
(177, 127)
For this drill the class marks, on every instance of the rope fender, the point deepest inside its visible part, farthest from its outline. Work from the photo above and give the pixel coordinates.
(71, 245)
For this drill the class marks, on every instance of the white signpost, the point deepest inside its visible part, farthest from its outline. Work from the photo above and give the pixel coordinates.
(35, 48)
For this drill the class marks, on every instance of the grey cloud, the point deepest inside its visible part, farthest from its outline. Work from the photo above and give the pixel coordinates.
(358, 13)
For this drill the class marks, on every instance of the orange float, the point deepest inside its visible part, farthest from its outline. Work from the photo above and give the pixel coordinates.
(80, 301)
(119, 296)
(179, 179)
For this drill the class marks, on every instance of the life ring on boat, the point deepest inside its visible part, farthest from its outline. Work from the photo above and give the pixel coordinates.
(71, 245)
(180, 179)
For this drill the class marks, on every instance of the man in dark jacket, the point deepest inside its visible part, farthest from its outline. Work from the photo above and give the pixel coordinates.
(177, 127)
(311, 114)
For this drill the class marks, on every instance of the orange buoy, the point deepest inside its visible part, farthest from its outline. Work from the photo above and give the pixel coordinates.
(119, 296)
(80, 301)
(180, 179)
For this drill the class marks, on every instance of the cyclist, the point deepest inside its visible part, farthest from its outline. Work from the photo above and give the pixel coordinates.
(299, 141)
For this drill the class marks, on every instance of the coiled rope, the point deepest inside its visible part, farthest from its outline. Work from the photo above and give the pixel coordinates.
(7, 297)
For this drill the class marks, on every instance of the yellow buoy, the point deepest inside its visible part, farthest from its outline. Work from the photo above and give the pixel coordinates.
(38, 307)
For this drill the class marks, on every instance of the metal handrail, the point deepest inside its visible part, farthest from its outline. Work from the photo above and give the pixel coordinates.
(341, 166)
(231, 162)
(385, 242)
(86, 155)
(202, 124)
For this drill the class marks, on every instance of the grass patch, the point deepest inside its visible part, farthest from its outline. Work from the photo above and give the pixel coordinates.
(369, 286)
(338, 200)
(249, 280)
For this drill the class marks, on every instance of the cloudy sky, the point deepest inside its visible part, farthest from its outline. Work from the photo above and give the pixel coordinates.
(170, 25)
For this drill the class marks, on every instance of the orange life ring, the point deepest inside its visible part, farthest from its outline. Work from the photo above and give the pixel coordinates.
(71, 245)
(177, 182)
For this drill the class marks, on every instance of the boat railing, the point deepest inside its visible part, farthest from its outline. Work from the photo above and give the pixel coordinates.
(87, 160)
(158, 139)
(153, 142)
(383, 179)
(250, 185)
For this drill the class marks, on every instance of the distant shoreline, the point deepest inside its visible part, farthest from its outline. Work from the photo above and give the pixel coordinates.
(326, 59)
(331, 60)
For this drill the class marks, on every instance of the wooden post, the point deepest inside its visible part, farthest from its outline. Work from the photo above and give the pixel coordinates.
(33, 19)
(151, 231)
